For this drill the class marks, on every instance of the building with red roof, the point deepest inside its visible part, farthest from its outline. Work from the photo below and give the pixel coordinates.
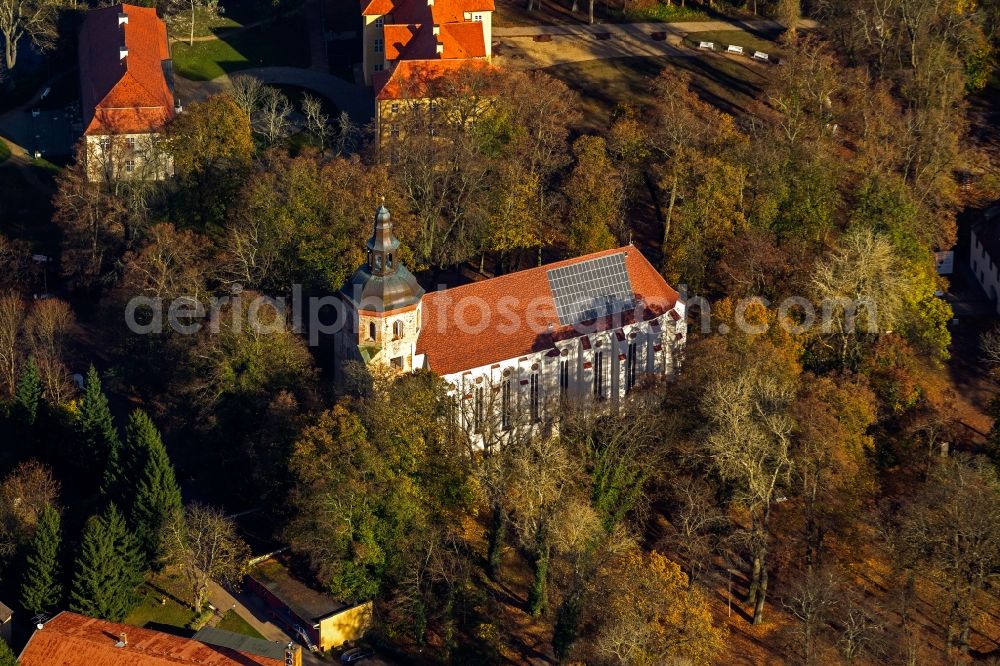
(126, 91)
(396, 31)
(583, 329)
(70, 639)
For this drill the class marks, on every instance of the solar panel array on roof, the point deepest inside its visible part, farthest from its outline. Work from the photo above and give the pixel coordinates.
(591, 289)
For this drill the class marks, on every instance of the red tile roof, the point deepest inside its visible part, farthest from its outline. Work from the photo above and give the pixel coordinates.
(443, 11)
(418, 42)
(525, 298)
(415, 79)
(127, 95)
(69, 639)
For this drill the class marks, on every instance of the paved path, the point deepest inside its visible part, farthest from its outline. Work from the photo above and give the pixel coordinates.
(320, 60)
(356, 100)
(15, 127)
(643, 29)
(251, 609)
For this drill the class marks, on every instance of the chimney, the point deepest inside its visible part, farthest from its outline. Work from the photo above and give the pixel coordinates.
(122, 18)
(430, 3)
(124, 640)
(436, 30)
(122, 52)
(439, 48)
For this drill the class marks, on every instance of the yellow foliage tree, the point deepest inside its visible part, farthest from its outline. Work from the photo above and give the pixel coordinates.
(651, 616)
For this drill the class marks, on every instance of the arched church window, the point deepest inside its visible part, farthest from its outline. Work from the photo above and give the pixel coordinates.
(397, 329)
(371, 330)
(378, 261)
(388, 261)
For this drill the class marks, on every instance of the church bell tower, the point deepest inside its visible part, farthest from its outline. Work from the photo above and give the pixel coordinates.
(383, 304)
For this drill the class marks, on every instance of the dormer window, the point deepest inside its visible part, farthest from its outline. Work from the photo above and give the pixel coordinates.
(378, 262)
(388, 261)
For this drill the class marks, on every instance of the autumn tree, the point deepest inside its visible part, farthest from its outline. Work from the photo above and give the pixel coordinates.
(203, 543)
(545, 478)
(212, 144)
(649, 615)
(49, 328)
(12, 314)
(34, 19)
(952, 526)
(595, 193)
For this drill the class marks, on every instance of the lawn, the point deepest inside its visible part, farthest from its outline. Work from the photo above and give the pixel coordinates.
(172, 616)
(4, 151)
(723, 38)
(206, 22)
(236, 624)
(282, 43)
(603, 85)
(512, 13)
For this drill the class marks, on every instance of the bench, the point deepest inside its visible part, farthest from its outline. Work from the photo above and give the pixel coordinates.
(659, 36)
(760, 55)
(707, 45)
(732, 48)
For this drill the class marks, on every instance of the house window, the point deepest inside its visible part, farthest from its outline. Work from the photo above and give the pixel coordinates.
(563, 379)
(371, 330)
(379, 45)
(397, 363)
(397, 330)
(477, 17)
(393, 131)
(477, 410)
(105, 144)
(432, 130)
(630, 364)
(599, 375)
(433, 106)
(131, 143)
(506, 412)
(395, 107)
(380, 21)
(535, 399)
(129, 166)
(379, 67)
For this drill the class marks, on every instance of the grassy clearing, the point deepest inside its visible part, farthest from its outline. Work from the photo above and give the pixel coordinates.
(723, 38)
(604, 85)
(236, 624)
(161, 606)
(654, 10)
(206, 22)
(274, 44)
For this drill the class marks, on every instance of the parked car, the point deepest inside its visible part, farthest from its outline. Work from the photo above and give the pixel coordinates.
(354, 655)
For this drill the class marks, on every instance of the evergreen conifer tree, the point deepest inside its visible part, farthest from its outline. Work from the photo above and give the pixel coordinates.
(108, 569)
(7, 657)
(157, 495)
(41, 589)
(98, 439)
(28, 395)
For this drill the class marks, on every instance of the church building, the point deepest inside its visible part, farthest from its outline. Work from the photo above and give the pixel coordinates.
(518, 345)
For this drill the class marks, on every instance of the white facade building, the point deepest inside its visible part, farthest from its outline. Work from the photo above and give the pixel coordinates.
(517, 347)
(984, 253)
